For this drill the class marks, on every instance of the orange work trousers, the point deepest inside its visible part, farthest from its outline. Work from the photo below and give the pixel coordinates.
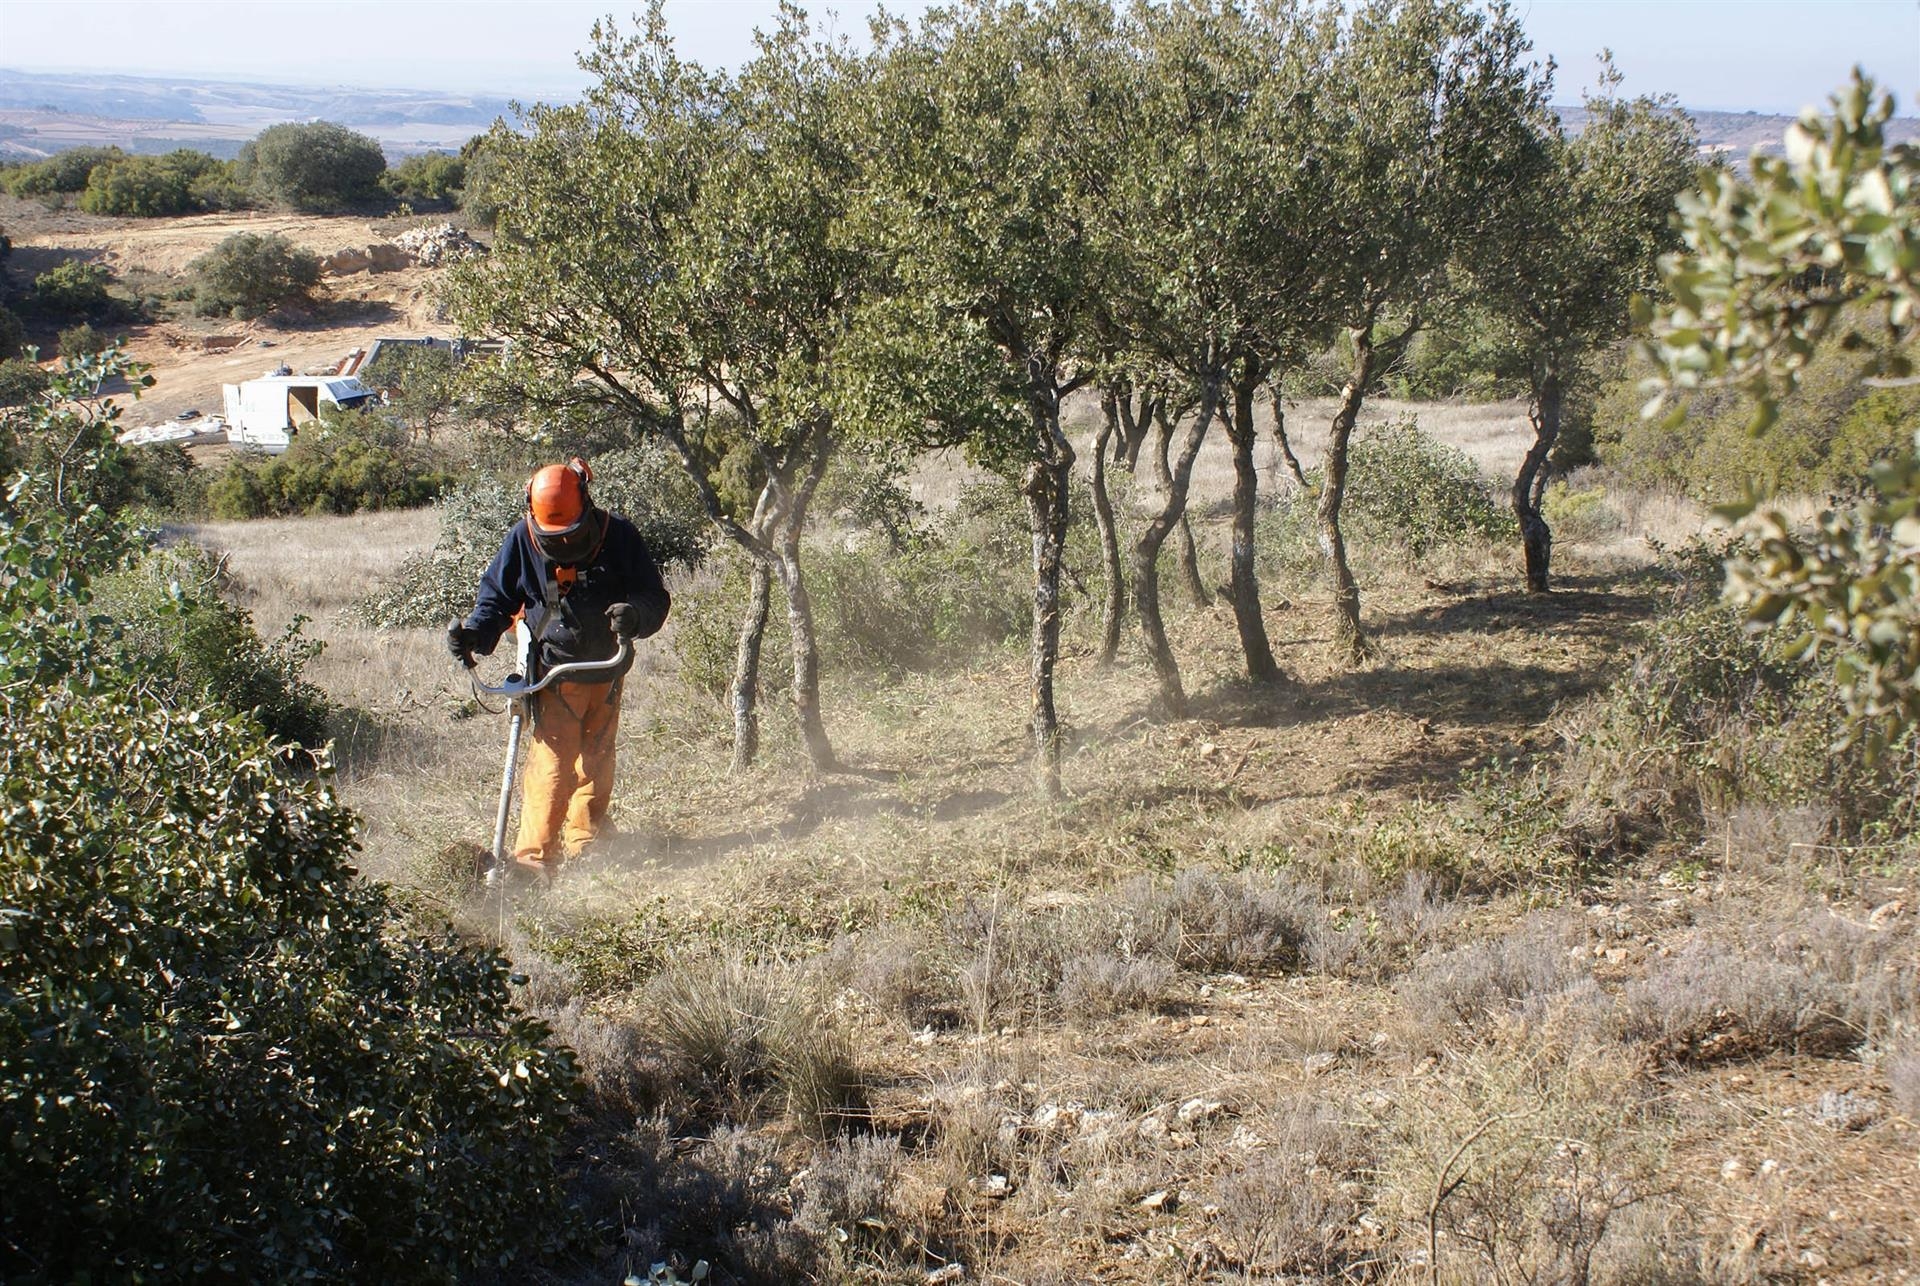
(568, 778)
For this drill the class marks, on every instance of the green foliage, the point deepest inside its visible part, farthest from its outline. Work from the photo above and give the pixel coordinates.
(1848, 584)
(1713, 715)
(201, 652)
(151, 186)
(639, 483)
(13, 335)
(317, 166)
(428, 176)
(1469, 355)
(948, 590)
(222, 1054)
(349, 463)
(20, 381)
(1407, 491)
(74, 289)
(1772, 267)
(80, 341)
(1827, 433)
(422, 383)
(60, 173)
(250, 273)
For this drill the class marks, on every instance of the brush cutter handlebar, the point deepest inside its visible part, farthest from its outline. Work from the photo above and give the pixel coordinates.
(517, 686)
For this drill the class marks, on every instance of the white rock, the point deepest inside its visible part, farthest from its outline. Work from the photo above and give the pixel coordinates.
(1196, 1109)
(1157, 1200)
(954, 1272)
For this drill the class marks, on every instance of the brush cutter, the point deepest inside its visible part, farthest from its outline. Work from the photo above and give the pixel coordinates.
(519, 690)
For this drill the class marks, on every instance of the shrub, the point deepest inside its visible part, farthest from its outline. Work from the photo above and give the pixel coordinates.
(639, 483)
(203, 650)
(20, 381)
(13, 334)
(1469, 355)
(81, 340)
(1708, 1002)
(429, 176)
(348, 463)
(1711, 716)
(741, 1031)
(1579, 514)
(1524, 968)
(73, 289)
(62, 172)
(148, 186)
(317, 166)
(221, 1052)
(251, 273)
(1405, 491)
(1830, 432)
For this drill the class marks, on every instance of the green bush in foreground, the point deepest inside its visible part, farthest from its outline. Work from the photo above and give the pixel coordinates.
(223, 1056)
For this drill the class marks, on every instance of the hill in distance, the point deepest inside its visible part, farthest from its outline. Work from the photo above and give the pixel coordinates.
(45, 112)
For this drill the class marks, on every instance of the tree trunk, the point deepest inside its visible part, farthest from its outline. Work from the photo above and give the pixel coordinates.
(1245, 584)
(1114, 609)
(1045, 486)
(1190, 565)
(1163, 474)
(1349, 642)
(1146, 553)
(1531, 484)
(806, 651)
(1286, 445)
(745, 693)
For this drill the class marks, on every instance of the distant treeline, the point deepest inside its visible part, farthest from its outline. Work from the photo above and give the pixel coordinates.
(319, 167)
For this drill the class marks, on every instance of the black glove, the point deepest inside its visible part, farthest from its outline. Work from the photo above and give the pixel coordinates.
(625, 619)
(461, 642)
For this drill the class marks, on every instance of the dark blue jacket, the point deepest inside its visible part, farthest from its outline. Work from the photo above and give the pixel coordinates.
(521, 579)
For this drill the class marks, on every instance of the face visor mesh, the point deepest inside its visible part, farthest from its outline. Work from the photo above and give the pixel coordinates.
(570, 544)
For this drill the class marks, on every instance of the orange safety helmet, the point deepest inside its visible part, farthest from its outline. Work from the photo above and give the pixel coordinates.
(557, 497)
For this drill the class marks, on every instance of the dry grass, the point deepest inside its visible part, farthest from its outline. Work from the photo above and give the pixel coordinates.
(1235, 1009)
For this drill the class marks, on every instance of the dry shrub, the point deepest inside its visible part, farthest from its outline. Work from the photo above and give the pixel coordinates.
(741, 1032)
(1291, 1211)
(845, 1202)
(1514, 1161)
(1121, 951)
(1526, 968)
(1101, 985)
(1373, 944)
(1712, 1001)
(1903, 1076)
(1203, 920)
(659, 1197)
(1815, 982)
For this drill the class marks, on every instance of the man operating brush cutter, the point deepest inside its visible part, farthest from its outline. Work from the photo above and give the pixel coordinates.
(583, 582)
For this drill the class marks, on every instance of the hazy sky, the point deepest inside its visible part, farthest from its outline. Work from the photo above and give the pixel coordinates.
(1761, 55)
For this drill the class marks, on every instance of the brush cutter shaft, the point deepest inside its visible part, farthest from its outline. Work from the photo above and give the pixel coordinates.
(506, 788)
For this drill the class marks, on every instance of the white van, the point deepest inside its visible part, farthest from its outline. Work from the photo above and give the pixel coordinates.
(264, 414)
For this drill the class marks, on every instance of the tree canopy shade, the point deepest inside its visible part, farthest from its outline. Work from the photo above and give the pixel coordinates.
(1767, 268)
(1579, 242)
(665, 255)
